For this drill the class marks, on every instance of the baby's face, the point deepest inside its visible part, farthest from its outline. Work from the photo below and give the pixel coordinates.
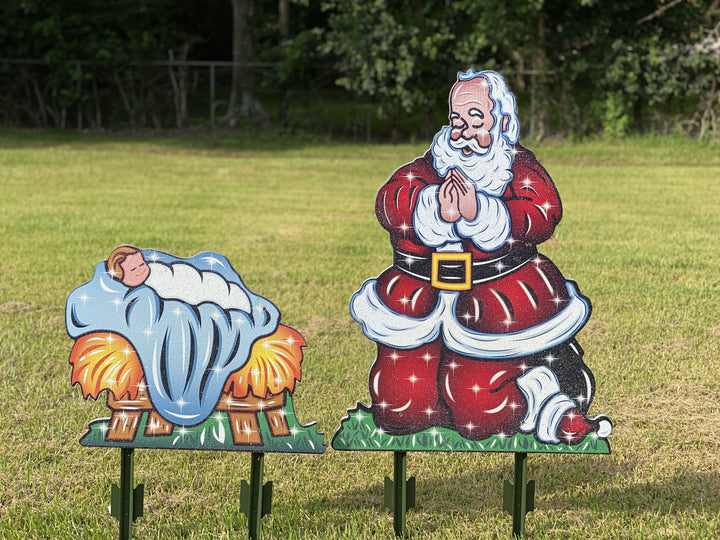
(135, 270)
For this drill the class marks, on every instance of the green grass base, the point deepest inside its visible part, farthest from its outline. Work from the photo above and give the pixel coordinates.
(358, 432)
(215, 434)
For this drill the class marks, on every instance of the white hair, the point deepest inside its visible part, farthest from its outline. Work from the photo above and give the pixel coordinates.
(502, 98)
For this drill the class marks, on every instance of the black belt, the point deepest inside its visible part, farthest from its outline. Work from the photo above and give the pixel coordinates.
(457, 271)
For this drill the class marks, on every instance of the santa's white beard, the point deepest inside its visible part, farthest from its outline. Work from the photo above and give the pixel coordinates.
(181, 281)
(489, 171)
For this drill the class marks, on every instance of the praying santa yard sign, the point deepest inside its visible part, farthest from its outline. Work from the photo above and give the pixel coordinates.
(475, 328)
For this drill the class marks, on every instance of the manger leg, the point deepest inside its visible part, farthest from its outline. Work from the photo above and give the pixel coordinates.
(245, 428)
(126, 502)
(123, 425)
(278, 422)
(156, 425)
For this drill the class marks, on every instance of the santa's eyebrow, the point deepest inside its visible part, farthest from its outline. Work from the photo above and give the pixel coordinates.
(476, 112)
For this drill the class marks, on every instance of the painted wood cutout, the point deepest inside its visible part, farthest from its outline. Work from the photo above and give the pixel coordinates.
(475, 329)
(188, 356)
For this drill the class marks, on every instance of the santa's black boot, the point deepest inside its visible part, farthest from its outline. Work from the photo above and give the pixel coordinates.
(552, 415)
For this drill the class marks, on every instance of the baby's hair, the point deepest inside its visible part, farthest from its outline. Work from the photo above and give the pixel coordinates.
(116, 258)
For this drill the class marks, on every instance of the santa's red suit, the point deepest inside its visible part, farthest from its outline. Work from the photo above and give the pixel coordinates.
(478, 340)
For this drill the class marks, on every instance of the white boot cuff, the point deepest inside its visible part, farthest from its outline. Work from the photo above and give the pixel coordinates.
(551, 415)
(538, 385)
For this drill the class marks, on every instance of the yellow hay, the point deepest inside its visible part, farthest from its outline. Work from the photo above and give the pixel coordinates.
(105, 361)
(273, 367)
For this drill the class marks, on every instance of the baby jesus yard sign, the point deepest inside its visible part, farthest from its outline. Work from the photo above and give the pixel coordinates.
(188, 356)
(189, 359)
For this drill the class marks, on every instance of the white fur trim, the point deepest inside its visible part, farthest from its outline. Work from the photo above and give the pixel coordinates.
(604, 428)
(429, 226)
(385, 326)
(550, 417)
(491, 227)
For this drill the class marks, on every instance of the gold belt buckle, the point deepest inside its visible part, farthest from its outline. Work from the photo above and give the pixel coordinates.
(463, 257)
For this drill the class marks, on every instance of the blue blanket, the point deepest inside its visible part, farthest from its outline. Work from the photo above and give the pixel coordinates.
(187, 350)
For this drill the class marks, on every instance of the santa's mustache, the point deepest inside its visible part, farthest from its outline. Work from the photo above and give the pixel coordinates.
(472, 144)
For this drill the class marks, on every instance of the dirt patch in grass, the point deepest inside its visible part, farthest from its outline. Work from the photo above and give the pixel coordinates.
(318, 324)
(14, 307)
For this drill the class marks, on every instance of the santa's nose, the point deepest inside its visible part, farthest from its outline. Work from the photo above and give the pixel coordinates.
(466, 134)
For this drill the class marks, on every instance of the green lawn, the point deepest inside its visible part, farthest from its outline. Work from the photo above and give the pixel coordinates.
(639, 235)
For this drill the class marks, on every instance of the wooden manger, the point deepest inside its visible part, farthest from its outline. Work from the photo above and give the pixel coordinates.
(242, 415)
(108, 362)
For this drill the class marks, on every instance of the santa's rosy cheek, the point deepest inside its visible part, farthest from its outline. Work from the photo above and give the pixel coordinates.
(484, 139)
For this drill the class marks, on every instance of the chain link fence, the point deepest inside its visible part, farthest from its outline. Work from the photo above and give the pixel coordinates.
(176, 94)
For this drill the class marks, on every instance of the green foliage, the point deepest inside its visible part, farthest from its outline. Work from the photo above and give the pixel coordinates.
(114, 31)
(359, 432)
(616, 116)
(605, 67)
(108, 33)
(385, 50)
(670, 77)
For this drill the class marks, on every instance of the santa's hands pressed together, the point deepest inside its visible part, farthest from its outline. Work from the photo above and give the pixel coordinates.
(457, 198)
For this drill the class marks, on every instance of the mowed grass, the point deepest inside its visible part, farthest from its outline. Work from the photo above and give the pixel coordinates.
(639, 235)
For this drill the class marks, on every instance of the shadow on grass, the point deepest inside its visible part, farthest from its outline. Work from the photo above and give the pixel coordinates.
(596, 483)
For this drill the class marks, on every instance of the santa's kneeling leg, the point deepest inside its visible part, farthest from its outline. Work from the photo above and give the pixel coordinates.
(491, 397)
(404, 390)
(551, 414)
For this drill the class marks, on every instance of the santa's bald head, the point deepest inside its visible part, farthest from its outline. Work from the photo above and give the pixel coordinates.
(483, 128)
(479, 102)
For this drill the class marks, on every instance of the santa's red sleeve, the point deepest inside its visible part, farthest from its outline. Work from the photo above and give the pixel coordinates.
(532, 200)
(396, 200)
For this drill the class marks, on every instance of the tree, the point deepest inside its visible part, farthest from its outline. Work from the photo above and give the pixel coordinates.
(615, 66)
(602, 66)
(242, 100)
(64, 31)
(280, 36)
(661, 70)
(391, 52)
(707, 51)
